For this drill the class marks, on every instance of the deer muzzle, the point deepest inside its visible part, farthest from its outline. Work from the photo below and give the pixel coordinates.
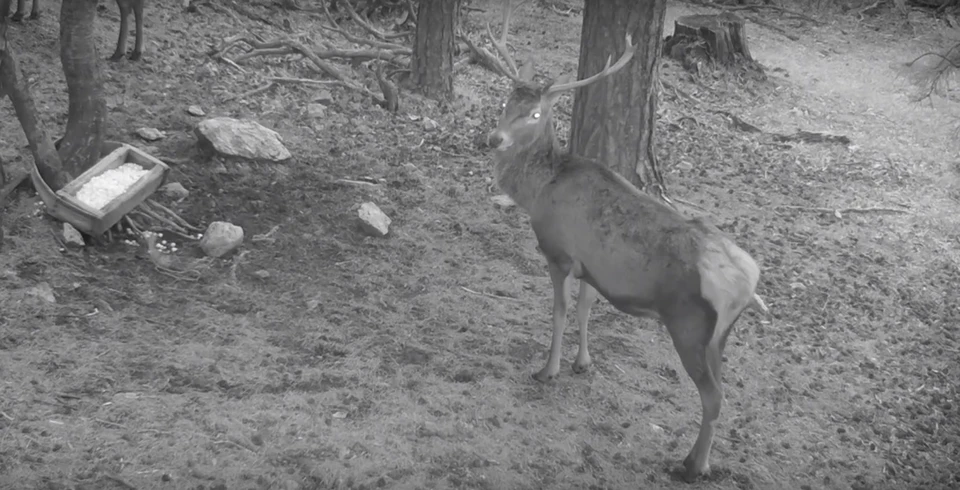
(499, 140)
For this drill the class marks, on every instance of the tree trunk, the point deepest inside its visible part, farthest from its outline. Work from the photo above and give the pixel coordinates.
(86, 120)
(613, 120)
(432, 64)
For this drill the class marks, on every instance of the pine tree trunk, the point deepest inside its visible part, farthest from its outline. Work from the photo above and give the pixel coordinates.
(86, 119)
(613, 120)
(432, 65)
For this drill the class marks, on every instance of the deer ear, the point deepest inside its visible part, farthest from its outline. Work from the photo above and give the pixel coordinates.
(527, 70)
(549, 99)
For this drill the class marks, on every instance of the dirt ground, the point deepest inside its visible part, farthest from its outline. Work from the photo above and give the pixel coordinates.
(323, 358)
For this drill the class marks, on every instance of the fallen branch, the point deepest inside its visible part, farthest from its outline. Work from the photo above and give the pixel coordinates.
(771, 7)
(281, 47)
(481, 293)
(841, 211)
(363, 22)
(250, 14)
(250, 93)
(120, 481)
(775, 28)
(354, 39)
(266, 236)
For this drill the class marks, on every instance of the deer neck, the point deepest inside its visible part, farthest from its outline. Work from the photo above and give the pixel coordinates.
(522, 170)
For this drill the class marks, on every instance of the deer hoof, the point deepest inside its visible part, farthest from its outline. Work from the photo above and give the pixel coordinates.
(116, 57)
(17, 17)
(135, 56)
(691, 473)
(544, 376)
(582, 363)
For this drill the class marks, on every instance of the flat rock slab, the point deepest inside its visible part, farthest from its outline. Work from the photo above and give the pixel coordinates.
(241, 138)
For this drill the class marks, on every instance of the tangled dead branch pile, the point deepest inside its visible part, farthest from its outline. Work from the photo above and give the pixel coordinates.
(379, 49)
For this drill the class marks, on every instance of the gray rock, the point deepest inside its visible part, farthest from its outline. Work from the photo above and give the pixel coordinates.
(373, 220)
(503, 201)
(175, 190)
(195, 110)
(151, 134)
(316, 111)
(221, 238)
(241, 138)
(324, 97)
(71, 236)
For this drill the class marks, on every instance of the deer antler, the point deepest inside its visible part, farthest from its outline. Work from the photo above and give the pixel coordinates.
(608, 70)
(501, 43)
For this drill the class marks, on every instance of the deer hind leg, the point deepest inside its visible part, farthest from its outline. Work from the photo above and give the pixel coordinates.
(560, 277)
(585, 301)
(35, 10)
(138, 18)
(18, 15)
(691, 327)
(124, 7)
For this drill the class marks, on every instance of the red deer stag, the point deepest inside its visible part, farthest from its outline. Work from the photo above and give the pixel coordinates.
(640, 254)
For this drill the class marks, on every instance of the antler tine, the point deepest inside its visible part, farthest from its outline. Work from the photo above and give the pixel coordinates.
(608, 70)
(501, 43)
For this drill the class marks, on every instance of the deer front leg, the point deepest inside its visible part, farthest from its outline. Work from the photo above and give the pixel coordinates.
(560, 277)
(588, 296)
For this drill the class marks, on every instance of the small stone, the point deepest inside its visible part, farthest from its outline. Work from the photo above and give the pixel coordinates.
(195, 110)
(324, 97)
(175, 190)
(151, 150)
(316, 111)
(42, 291)
(685, 165)
(373, 220)
(503, 201)
(262, 274)
(151, 134)
(165, 477)
(71, 236)
(430, 124)
(221, 238)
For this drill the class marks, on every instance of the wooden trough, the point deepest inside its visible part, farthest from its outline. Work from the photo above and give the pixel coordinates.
(65, 206)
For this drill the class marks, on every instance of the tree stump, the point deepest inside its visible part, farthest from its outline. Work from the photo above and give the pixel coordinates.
(701, 38)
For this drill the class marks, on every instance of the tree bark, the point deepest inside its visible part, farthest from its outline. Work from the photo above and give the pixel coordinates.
(86, 120)
(613, 120)
(432, 64)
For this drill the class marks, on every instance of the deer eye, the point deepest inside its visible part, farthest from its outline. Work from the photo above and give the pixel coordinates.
(503, 105)
(535, 115)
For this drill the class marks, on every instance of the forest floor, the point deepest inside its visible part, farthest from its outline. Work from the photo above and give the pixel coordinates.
(324, 358)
